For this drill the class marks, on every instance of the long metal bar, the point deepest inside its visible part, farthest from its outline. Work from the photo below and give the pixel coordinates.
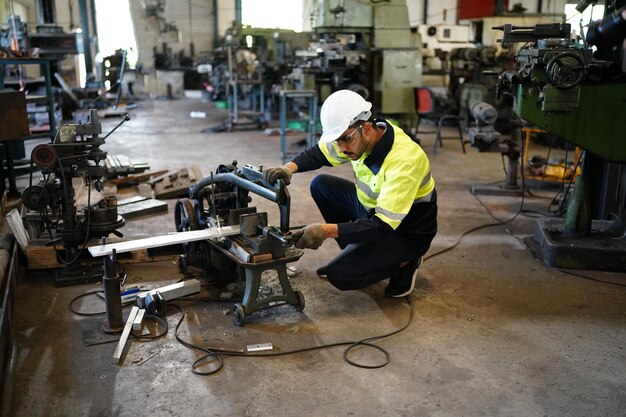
(84, 23)
(165, 240)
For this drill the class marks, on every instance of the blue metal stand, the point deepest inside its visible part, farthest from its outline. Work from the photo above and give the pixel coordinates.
(238, 117)
(285, 95)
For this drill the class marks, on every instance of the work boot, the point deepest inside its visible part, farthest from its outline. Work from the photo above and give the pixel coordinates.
(322, 272)
(403, 283)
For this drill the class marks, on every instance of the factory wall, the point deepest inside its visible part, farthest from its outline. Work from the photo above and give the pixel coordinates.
(192, 18)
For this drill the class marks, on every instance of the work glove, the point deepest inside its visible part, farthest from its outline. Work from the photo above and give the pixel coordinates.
(311, 237)
(271, 175)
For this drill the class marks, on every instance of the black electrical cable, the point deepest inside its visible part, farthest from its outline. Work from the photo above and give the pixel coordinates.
(521, 241)
(215, 354)
(159, 321)
(78, 313)
(504, 165)
(78, 297)
(582, 276)
(484, 226)
(519, 211)
(561, 206)
(566, 271)
(559, 210)
(498, 221)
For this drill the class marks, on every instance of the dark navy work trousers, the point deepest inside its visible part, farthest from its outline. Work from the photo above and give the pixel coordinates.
(359, 264)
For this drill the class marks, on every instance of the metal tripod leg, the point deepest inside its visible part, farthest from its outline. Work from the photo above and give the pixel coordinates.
(251, 300)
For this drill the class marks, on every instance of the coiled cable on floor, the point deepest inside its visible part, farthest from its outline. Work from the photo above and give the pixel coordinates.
(215, 354)
(70, 306)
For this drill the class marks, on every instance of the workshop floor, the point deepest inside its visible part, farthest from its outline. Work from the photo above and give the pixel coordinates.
(494, 332)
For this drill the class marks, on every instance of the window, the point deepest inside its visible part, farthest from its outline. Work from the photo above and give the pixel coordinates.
(275, 14)
(576, 19)
(115, 29)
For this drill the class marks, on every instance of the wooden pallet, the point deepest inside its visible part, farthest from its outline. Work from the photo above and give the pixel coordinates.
(45, 257)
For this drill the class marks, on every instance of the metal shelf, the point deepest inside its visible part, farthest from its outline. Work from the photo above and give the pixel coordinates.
(45, 65)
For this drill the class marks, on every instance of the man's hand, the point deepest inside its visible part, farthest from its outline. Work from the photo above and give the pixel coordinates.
(271, 175)
(311, 237)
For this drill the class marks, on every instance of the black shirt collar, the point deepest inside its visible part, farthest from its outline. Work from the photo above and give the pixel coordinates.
(375, 160)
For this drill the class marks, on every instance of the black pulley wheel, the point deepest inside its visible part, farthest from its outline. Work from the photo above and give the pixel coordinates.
(44, 156)
(185, 217)
(35, 198)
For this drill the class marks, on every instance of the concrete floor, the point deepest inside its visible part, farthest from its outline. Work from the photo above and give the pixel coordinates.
(494, 333)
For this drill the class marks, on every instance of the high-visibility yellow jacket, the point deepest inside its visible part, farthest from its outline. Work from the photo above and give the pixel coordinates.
(394, 183)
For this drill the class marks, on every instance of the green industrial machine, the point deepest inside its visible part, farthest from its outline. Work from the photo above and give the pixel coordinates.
(366, 46)
(566, 88)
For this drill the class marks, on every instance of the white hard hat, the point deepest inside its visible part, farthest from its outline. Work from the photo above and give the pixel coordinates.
(341, 110)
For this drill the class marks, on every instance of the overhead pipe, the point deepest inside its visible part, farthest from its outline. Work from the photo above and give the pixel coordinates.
(94, 25)
(278, 194)
(499, 9)
(238, 11)
(216, 33)
(84, 24)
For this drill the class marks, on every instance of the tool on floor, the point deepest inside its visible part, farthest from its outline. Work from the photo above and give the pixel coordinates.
(154, 303)
(151, 302)
(154, 300)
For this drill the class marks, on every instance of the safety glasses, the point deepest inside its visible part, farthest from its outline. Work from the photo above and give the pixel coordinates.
(348, 140)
